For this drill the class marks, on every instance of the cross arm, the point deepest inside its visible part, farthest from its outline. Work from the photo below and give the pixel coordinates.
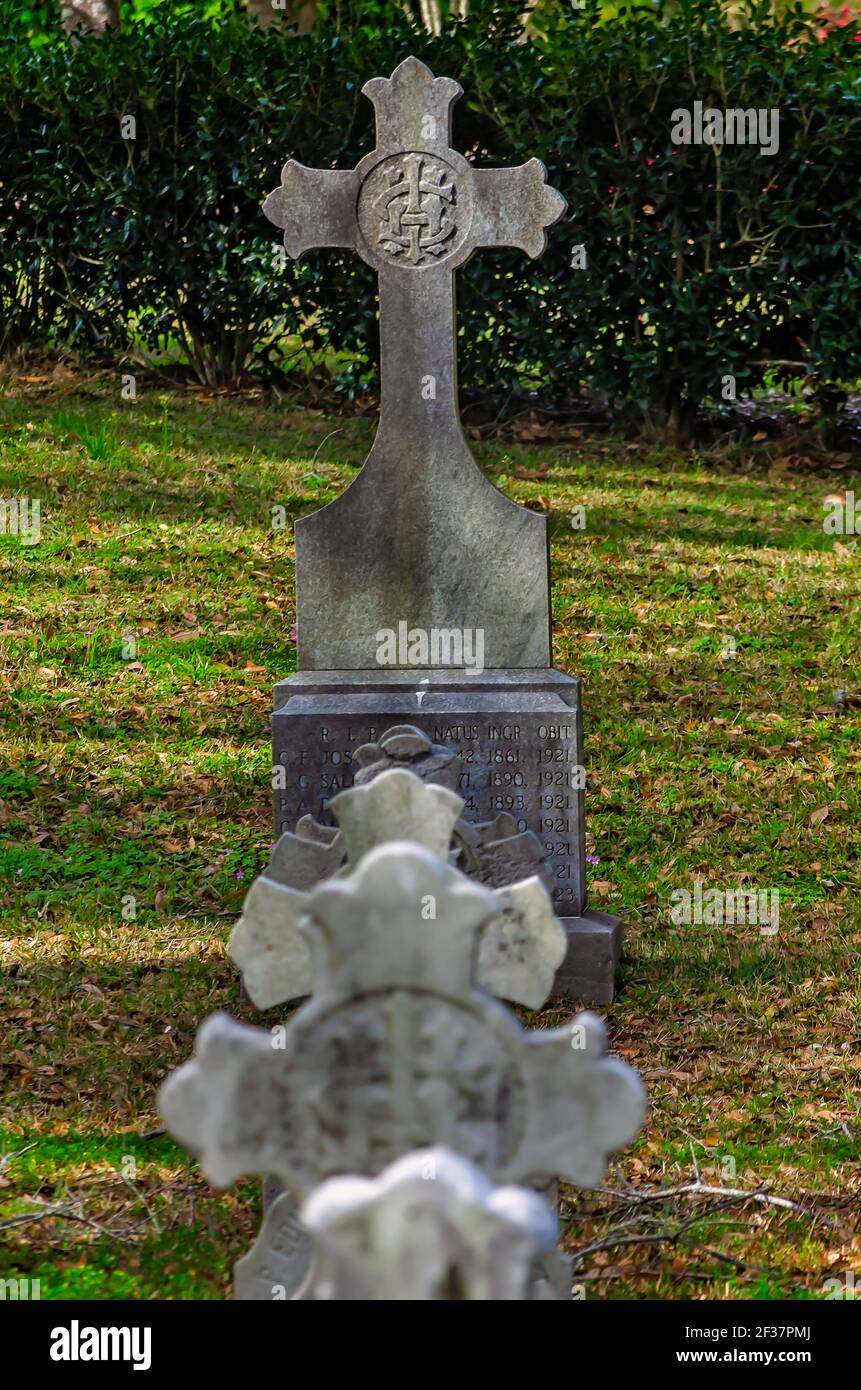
(231, 1104)
(584, 1103)
(514, 207)
(315, 207)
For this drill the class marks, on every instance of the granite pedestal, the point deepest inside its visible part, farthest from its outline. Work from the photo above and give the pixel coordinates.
(519, 735)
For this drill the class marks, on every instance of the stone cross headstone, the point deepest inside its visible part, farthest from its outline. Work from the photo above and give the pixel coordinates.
(522, 942)
(422, 536)
(284, 1261)
(430, 1226)
(398, 1050)
(423, 591)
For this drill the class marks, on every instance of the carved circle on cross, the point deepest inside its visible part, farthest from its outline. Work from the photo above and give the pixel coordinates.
(414, 209)
(382, 1074)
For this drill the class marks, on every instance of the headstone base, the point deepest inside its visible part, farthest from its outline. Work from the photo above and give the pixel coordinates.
(519, 735)
(588, 972)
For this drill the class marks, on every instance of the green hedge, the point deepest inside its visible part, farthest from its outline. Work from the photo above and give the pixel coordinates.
(699, 264)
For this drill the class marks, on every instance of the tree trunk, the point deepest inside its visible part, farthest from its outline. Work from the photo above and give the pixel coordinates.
(94, 15)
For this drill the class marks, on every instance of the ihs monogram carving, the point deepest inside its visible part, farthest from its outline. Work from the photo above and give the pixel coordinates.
(396, 1072)
(416, 209)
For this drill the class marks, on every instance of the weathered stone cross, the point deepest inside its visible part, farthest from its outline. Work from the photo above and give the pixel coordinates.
(521, 946)
(398, 1049)
(421, 536)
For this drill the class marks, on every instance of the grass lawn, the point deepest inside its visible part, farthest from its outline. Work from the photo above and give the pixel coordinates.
(139, 641)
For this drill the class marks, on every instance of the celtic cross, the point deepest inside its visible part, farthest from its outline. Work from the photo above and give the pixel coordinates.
(421, 536)
(399, 1049)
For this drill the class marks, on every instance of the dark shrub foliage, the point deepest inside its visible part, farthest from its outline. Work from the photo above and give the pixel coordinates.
(702, 262)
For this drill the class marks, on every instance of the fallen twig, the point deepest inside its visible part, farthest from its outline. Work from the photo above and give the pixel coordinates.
(63, 1214)
(705, 1190)
(9, 1158)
